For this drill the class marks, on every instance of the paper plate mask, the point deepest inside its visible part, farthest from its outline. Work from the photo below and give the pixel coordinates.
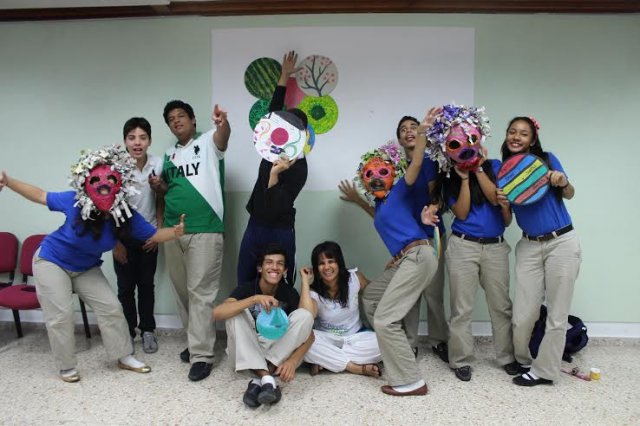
(103, 180)
(456, 137)
(279, 133)
(523, 179)
(379, 170)
(273, 324)
(463, 146)
(102, 185)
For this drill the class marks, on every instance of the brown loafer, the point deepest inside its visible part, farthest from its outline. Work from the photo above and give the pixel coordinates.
(422, 390)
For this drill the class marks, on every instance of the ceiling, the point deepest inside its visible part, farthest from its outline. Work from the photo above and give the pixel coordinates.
(34, 10)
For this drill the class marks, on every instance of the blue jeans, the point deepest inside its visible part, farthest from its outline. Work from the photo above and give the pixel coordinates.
(255, 237)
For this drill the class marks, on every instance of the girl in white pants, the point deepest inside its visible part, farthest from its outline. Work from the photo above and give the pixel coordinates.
(332, 292)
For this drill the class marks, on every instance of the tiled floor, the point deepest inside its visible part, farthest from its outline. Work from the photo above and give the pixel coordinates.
(31, 393)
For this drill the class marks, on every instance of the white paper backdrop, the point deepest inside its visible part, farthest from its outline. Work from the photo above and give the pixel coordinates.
(384, 74)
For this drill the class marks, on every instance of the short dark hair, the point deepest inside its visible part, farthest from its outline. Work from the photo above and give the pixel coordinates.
(271, 248)
(402, 120)
(177, 104)
(301, 115)
(134, 123)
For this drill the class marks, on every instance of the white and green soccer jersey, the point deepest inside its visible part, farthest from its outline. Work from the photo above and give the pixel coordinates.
(195, 176)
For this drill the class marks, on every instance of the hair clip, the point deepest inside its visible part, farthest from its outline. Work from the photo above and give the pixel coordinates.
(535, 122)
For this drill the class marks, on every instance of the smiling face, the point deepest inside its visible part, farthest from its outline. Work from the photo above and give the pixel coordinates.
(407, 133)
(328, 269)
(519, 137)
(102, 186)
(272, 270)
(378, 176)
(137, 143)
(182, 126)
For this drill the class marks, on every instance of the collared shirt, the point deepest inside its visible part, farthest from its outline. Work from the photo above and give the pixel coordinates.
(145, 201)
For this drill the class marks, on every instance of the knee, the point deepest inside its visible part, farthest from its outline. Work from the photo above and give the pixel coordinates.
(302, 317)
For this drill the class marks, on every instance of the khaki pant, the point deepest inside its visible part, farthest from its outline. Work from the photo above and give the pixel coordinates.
(545, 272)
(390, 298)
(335, 352)
(194, 262)
(438, 329)
(250, 351)
(55, 287)
(470, 265)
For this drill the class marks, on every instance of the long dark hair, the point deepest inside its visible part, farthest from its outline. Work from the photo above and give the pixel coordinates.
(330, 250)
(95, 224)
(535, 148)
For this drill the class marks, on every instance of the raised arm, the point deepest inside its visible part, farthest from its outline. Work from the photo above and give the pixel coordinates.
(417, 155)
(223, 129)
(28, 191)
(306, 302)
(462, 206)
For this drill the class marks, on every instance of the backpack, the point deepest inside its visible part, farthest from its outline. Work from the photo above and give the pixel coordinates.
(576, 335)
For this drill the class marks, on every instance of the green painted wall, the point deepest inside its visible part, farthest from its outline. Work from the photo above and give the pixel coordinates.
(65, 86)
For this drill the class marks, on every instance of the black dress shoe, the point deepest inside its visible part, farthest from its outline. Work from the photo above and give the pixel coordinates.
(526, 380)
(199, 371)
(513, 368)
(463, 373)
(185, 355)
(442, 350)
(250, 397)
(269, 394)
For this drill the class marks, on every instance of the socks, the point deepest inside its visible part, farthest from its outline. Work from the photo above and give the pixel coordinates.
(410, 387)
(256, 382)
(530, 376)
(268, 379)
(131, 362)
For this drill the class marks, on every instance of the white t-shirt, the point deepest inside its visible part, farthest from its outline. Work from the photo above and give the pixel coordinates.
(333, 318)
(145, 201)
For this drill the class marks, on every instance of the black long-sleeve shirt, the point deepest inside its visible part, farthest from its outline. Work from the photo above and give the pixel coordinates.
(274, 206)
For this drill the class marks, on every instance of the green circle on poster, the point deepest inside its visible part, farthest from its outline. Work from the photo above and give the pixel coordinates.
(259, 109)
(261, 77)
(322, 112)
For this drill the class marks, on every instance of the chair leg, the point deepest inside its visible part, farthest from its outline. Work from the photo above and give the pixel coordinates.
(85, 320)
(16, 320)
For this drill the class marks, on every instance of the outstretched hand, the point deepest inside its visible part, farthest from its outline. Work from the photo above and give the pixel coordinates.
(289, 65)
(429, 215)
(219, 116)
(349, 191)
(428, 120)
(4, 180)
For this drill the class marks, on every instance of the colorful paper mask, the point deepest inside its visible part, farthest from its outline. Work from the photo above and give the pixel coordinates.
(456, 137)
(102, 185)
(463, 146)
(378, 176)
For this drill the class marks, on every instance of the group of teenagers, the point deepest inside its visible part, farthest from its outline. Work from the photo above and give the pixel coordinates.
(129, 201)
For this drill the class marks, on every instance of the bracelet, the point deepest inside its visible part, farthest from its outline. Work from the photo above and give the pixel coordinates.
(563, 187)
(464, 178)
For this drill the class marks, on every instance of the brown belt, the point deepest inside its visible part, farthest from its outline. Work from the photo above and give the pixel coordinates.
(408, 247)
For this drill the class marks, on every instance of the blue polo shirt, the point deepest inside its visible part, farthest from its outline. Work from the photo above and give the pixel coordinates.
(484, 220)
(78, 253)
(546, 215)
(397, 217)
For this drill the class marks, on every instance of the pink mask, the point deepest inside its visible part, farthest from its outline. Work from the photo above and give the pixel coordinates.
(102, 186)
(378, 176)
(463, 146)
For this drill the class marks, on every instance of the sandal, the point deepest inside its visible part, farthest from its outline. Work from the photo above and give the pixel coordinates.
(315, 369)
(371, 370)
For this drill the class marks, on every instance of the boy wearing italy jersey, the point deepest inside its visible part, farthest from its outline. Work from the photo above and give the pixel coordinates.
(193, 172)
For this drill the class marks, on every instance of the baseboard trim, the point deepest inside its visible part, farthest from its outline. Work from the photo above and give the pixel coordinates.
(478, 328)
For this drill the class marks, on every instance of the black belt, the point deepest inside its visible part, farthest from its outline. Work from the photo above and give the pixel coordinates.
(550, 235)
(494, 240)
